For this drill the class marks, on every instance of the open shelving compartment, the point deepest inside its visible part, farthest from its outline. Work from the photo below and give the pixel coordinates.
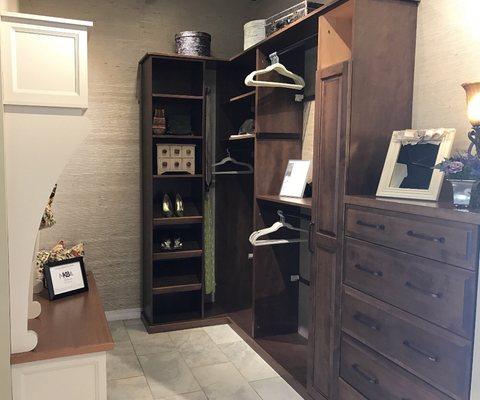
(173, 279)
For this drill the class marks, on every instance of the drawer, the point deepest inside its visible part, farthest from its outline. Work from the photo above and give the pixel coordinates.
(163, 151)
(439, 357)
(164, 165)
(346, 392)
(176, 165)
(450, 242)
(437, 292)
(176, 151)
(188, 165)
(376, 378)
(188, 151)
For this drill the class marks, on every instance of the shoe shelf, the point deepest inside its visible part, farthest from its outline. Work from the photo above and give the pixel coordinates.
(173, 278)
(177, 284)
(179, 176)
(191, 215)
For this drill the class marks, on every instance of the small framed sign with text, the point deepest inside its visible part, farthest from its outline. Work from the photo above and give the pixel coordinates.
(66, 277)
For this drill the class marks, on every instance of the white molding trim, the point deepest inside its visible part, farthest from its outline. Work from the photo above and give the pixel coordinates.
(119, 315)
(35, 18)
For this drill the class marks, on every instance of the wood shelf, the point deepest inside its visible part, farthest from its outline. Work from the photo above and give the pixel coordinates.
(291, 201)
(186, 220)
(242, 97)
(176, 284)
(179, 137)
(176, 96)
(179, 176)
(191, 215)
(159, 255)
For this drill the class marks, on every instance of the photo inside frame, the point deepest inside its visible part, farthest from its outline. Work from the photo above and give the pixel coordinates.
(415, 165)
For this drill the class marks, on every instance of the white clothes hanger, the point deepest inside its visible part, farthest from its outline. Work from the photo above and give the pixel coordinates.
(299, 82)
(230, 159)
(254, 237)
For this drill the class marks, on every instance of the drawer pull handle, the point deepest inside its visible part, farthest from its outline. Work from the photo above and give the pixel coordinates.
(368, 270)
(426, 237)
(364, 375)
(380, 227)
(424, 353)
(420, 290)
(367, 321)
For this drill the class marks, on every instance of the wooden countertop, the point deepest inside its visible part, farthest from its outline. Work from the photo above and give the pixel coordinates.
(70, 326)
(430, 209)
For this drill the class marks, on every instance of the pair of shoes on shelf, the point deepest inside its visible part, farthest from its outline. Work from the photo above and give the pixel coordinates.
(168, 210)
(171, 244)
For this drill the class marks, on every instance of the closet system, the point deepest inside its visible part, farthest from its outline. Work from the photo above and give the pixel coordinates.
(282, 291)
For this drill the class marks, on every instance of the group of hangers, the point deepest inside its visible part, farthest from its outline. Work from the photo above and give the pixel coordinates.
(255, 236)
(299, 84)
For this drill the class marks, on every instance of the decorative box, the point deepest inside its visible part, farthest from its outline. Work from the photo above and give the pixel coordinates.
(175, 158)
(286, 17)
(191, 43)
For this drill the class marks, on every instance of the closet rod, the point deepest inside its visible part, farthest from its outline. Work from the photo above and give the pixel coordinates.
(295, 45)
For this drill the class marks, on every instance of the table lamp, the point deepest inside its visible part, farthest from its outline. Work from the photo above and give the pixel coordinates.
(473, 110)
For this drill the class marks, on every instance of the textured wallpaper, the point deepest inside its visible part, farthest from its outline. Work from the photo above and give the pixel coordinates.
(98, 197)
(448, 54)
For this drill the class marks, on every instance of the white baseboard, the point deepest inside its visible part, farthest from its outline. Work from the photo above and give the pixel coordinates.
(118, 315)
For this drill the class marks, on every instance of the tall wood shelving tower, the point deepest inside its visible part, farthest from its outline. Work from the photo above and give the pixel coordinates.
(173, 281)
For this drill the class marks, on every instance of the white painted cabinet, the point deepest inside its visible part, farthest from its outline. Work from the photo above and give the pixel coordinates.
(44, 61)
(68, 378)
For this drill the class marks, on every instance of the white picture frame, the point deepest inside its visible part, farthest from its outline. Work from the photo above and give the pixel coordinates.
(393, 172)
(295, 178)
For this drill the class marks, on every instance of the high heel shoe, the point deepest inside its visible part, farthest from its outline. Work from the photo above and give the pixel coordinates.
(167, 207)
(179, 210)
(177, 243)
(166, 244)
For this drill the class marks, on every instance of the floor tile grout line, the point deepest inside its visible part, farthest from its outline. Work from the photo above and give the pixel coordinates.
(139, 363)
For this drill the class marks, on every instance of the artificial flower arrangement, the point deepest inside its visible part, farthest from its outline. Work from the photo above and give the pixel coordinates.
(461, 166)
(463, 172)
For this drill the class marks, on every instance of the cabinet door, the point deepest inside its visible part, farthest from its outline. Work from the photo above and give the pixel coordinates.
(331, 126)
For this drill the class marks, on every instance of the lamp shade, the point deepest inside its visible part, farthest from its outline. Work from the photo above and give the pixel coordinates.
(473, 102)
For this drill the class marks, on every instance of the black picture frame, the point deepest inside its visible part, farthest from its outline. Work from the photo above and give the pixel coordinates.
(52, 266)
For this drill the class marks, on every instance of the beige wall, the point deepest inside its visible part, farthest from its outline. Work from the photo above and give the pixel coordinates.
(98, 198)
(448, 54)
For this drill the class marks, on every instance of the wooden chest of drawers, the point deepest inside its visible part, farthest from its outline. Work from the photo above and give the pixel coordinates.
(408, 301)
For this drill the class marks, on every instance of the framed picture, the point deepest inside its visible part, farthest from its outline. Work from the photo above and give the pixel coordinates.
(66, 277)
(409, 171)
(295, 178)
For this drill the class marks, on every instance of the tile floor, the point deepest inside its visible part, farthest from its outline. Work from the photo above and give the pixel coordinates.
(211, 363)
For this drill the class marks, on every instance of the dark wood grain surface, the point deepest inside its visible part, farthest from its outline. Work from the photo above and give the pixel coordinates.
(437, 292)
(68, 327)
(379, 379)
(445, 241)
(440, 210)
(429, 352)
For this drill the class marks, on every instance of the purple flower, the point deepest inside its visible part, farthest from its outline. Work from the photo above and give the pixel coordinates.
(453, 167)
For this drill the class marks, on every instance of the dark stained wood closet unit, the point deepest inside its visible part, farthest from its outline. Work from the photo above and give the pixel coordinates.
(357, 57)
